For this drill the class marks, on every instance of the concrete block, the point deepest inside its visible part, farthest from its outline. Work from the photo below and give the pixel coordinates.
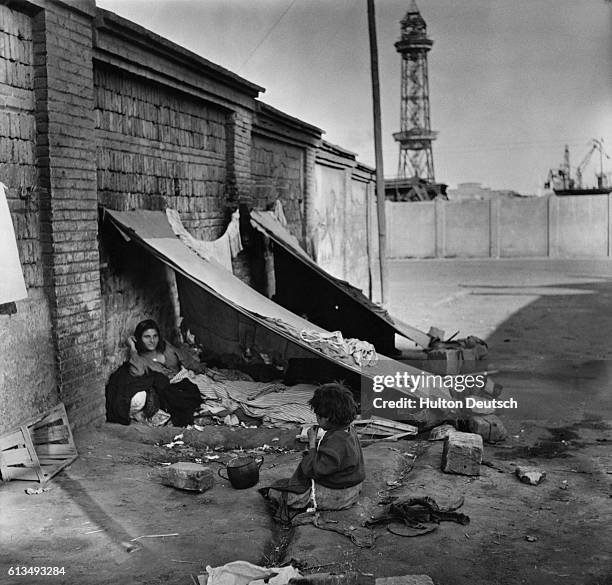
(446, 362)
(488, 426)
(348, 578)
(492, 389)
(405, 580)
(440, 433)
(188, 476)
(462, 454)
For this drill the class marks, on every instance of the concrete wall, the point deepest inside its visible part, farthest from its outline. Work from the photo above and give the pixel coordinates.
(563, 227)
(340, 223)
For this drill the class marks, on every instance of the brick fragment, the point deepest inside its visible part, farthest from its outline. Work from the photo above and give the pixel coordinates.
(188, 476)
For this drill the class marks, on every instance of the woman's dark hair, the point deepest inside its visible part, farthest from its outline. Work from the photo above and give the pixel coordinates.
(141, 328)
(335, 402)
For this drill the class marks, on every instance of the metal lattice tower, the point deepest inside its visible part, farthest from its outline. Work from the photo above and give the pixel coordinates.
(415, 136)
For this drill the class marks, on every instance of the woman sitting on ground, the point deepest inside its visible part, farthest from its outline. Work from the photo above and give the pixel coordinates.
(331, 474)
(151, 354)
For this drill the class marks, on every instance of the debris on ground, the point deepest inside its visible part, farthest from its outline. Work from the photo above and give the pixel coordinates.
(178, 440)
(348, 578)
(390, 430)
(440, 432)
(405, 580)
(530, 475)
(488, 426)
(187, 476)
(415, 516)
(32, 491)
(462, 453)
(245, 573)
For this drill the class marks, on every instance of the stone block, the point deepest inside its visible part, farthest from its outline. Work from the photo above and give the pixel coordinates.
(188, 476)
(462, 454)
(405, 580)
(441, 432)
(488, 426)
(445, 362)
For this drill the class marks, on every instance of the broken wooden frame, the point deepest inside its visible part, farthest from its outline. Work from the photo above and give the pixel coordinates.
(39, 448)
(389, 430)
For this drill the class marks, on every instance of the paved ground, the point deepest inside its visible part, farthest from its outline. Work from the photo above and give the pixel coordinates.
(547, 324)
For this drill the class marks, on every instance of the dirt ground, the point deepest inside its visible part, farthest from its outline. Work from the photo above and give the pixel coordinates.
(108, 519)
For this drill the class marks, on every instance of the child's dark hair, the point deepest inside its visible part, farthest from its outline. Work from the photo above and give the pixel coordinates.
(335, 402)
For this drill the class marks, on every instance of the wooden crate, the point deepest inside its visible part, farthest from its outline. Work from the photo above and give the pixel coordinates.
(39, 449)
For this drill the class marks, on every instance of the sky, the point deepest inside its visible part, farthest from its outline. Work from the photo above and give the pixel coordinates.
(510, 81)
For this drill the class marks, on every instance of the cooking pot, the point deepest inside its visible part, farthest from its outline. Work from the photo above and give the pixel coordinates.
(242, 472)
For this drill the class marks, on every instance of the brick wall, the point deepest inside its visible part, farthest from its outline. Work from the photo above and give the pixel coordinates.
(27, 357)
(95, 109)
(67, 179)
(277, 170)
(155, 146)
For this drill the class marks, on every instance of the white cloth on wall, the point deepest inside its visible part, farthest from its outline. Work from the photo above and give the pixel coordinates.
(222, 250)
(12, 285)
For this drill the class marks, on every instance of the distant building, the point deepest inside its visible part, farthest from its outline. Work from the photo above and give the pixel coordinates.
(477, 191)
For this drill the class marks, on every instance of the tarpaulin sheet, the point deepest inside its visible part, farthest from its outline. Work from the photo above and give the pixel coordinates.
(267, 223)
(251, 317)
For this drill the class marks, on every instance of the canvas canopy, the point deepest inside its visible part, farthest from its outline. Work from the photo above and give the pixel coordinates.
(227, 314)
(306, 288)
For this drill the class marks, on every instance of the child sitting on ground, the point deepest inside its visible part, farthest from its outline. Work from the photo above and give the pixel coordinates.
(331, 473)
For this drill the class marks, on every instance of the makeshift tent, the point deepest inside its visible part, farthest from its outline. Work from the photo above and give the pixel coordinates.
(228, 315)
(305, 288)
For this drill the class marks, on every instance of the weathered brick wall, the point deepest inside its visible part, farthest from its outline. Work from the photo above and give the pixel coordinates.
(155, 147)
(67, 178)
(28, 377)
(135, 286)
(277, 170)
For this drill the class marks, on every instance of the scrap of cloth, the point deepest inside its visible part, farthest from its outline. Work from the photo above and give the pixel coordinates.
(12, 284)
(245, 573)
(363, 353)
(273, 403)
(222, 250)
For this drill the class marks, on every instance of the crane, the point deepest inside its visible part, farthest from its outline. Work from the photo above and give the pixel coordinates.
(597, 145)
(562, 183)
